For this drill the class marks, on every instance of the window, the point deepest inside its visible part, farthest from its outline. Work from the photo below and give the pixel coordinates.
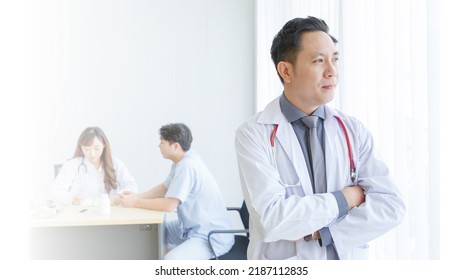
(389, 80)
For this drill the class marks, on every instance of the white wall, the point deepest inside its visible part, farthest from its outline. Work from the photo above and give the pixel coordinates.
(131, 67)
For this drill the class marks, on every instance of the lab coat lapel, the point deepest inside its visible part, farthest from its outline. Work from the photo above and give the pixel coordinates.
(334, 153)
(289, 142)
(287, 139)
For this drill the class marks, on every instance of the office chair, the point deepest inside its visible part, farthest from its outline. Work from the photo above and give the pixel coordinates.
(241, 242)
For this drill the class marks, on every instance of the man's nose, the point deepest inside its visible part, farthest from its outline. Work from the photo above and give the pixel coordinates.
(331, 71)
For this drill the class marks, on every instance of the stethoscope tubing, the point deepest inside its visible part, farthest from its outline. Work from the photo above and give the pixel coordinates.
(82, 164)
(353, 174)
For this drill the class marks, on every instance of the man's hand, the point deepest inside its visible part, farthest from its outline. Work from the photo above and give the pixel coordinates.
(316, 235)
(128, 200)
(117, 199)
(354, 196)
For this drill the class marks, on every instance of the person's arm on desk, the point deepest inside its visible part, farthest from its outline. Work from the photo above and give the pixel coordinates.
(158, 191)
(154, 199)
(155, 192)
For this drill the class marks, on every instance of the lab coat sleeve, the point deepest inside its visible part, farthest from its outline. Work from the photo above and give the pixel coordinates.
(325, 234)
(125, 180)
(275, 216)
(383, 208)
(61, 187)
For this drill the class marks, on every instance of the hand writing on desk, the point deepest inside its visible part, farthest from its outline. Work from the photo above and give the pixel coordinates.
(77, 200)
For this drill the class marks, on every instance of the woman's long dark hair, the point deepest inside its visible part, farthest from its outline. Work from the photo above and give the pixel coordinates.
(86, 139)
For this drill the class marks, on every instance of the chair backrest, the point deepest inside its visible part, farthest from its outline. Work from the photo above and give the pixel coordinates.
(244, 213)
(239, 249)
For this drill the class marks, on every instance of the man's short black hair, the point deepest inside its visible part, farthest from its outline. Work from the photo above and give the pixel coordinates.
(177, 133)
(286, 44)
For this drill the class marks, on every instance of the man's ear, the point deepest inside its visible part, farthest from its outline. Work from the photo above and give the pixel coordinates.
(285, 70)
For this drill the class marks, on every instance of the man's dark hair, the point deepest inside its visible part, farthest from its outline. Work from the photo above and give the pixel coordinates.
(286, 44)
(177, 133)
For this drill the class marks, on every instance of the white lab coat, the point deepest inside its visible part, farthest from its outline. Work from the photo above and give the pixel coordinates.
(78, 177)
(279, 196)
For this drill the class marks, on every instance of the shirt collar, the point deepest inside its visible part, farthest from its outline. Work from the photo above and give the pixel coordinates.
(292, 113)
(90, 165)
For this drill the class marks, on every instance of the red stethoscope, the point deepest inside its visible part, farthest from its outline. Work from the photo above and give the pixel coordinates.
(353, 174)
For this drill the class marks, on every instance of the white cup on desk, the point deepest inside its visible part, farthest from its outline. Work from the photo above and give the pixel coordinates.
(104, 204)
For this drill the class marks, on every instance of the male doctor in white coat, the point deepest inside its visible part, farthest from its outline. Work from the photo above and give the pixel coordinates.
(293, 214)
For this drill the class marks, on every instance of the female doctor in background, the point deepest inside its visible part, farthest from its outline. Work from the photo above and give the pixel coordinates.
(91, 172)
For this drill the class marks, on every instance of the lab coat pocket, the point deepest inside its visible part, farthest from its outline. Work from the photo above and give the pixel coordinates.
(280, 250)
(291, 184)
(361, 253)
(358, 253)
(295, 189)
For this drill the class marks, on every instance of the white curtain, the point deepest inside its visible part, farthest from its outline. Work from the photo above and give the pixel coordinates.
(389, 80)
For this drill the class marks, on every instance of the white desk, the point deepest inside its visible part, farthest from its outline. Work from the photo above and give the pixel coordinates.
(127, 233)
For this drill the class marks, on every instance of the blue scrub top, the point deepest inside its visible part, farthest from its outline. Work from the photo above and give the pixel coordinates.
(201, 206)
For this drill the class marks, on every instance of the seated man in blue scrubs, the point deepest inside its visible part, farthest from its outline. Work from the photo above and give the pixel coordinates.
(191, 189)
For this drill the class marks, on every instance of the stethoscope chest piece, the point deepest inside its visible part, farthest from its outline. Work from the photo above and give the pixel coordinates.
(353, 175)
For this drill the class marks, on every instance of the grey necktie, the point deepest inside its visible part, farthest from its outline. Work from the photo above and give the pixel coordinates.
(316, 154)
(318, 167)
